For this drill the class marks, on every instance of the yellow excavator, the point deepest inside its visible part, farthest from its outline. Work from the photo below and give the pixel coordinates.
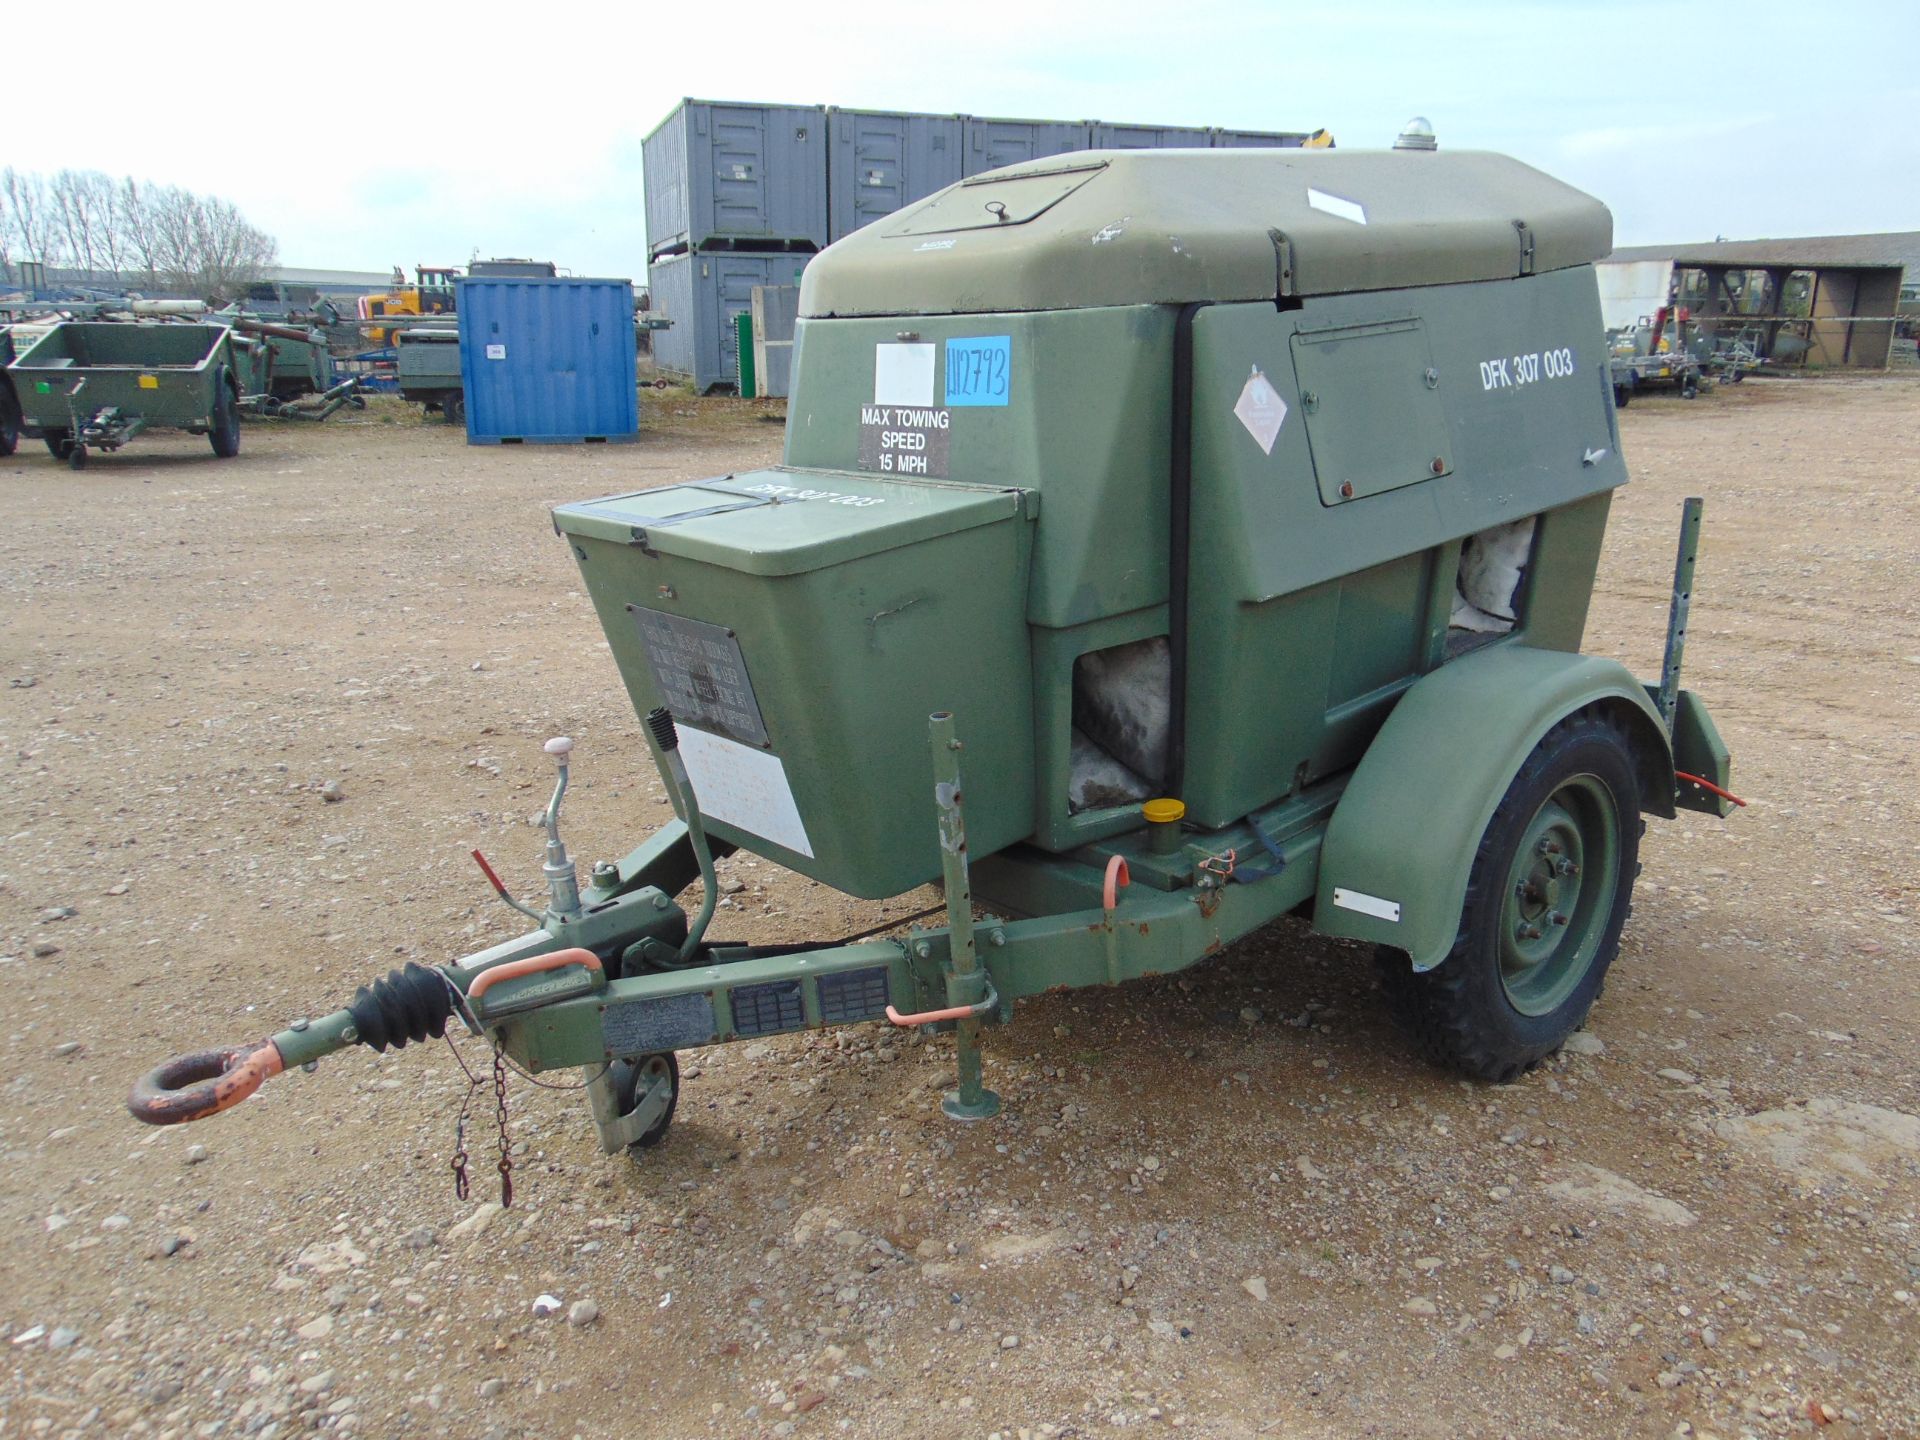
(431, 294)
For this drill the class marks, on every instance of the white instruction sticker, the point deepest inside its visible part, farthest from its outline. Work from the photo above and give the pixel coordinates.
(1335, 206)
(496, 352)
(743, 787)
(903, 374)
(1261, 410)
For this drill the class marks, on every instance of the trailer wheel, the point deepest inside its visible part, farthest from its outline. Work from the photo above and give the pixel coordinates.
(59, 443)
(77, 457)
(454, 409)
(224, 433)
(1550, 890)
(626, 1075)
(1689, 386)
(9, 420)
(1621, 395)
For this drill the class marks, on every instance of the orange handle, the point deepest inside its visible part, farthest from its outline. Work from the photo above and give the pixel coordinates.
(195, 1086)
(532, 965)
(1709, 787)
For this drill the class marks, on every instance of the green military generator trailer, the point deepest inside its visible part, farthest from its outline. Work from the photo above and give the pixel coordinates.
(1165, 542)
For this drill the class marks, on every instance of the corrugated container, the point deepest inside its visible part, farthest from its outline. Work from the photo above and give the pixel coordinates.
(547, 359)
(879, 161)
(701, 294)
(991, 143)
(1257, 139)
(724, 174)
(1150, 137)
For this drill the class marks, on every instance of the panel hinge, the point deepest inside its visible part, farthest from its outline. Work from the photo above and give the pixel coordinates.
(1282, 265)
(1525, 233)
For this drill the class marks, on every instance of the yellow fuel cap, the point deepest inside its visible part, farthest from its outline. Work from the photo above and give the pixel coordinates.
(1163, 812)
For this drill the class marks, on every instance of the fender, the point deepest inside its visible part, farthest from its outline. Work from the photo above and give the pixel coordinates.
(1402, 839)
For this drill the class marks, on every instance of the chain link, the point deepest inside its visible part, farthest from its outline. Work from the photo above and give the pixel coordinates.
(500, 1116)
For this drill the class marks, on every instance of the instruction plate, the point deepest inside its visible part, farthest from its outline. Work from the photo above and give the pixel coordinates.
(745, 788)
(701, 674)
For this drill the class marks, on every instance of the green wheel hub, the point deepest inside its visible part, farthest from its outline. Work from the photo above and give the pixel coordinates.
(1559, 895)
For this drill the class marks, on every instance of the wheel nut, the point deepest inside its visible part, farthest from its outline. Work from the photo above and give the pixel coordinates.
(1557, 918)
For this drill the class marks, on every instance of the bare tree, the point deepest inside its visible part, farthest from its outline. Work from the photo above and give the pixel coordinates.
(136, 222)
(110, 240)
(84, 220)
(36, 235)
(72, 200)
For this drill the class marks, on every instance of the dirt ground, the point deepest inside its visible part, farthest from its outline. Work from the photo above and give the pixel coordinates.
(1227, 1201)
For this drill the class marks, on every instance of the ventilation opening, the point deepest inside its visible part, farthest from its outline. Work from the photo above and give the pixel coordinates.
(1490, 587)
(1121, 721)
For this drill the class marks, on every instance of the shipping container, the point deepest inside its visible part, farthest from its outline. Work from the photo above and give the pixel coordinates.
(702, 294)
(776, 317)
(990, 143)
(547, 359)
(878, 161)
(724, 175)
(1150, 137)
(1258, 139)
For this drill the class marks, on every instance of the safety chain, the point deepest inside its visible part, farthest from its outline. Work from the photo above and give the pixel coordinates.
(500, 1115)
(460, 1142)
(505, 1162)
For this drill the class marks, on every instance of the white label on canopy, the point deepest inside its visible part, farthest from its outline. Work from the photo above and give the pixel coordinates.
(1261, 410)
(1342, 209)
(903, 374)
(496, 352)
(743, 787)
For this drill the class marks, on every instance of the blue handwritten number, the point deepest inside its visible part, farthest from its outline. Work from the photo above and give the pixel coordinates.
(979, 370)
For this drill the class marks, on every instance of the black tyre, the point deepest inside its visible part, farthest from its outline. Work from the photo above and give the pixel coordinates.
(1621, 395)
(9, 419)
(1689, 386)
(454, 408)
(77, 457)
(59, 443)
(626, 1075)
(1550, 890)
(224, 431)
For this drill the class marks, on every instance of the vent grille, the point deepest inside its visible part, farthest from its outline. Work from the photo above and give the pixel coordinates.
(853, 995)
(768, 1009)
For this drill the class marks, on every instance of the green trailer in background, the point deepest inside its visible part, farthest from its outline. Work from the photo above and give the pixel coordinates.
(88, 385)
(427, 369)
(9, 402)
(1238, 512)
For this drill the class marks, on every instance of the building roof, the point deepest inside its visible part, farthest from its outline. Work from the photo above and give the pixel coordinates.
(1888, 249)
(1132, 227)
(301, 275)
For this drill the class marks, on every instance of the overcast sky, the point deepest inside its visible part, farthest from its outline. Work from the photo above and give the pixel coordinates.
(367, 136)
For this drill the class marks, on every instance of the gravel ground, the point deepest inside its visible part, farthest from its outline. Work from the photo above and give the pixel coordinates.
(1226, 1201)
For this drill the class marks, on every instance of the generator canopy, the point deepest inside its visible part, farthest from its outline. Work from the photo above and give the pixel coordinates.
(1131, 227)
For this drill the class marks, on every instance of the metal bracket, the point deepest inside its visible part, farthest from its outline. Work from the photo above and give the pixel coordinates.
(1669, 697)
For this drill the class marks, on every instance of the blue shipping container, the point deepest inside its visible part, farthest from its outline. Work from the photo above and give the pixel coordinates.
(547, 359)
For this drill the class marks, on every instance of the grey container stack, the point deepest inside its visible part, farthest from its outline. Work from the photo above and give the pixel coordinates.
(1108, 136)
(701, 294)
(990, 143)
(879, 161)
(727, 176)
